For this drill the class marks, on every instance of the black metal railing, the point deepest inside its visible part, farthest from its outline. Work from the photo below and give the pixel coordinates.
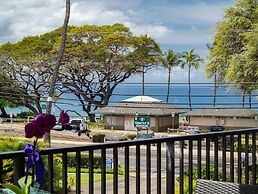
(160, 165)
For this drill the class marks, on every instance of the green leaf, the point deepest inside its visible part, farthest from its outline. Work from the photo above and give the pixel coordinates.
(13, 188)
(25, 188)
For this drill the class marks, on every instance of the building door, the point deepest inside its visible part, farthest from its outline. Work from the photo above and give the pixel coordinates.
(129, 123)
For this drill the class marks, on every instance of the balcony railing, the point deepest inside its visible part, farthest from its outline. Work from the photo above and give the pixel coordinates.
(159, 164)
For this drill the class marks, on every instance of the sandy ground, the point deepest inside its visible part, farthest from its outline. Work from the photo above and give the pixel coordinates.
(17, 130)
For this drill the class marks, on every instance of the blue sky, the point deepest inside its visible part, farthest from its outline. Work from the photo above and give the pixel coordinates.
(174, 24)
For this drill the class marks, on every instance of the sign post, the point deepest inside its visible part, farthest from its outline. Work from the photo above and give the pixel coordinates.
(142, 121)
(109, 163)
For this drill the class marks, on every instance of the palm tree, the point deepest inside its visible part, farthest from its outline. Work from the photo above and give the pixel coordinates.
(170, 60)
(190, 59)
(58, 64)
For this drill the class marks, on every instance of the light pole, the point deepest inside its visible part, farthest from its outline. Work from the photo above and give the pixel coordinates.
(256, 119)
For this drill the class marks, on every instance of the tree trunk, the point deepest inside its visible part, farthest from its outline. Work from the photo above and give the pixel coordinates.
(4, 113)
(168, 90)
(243, 99)
(189, 87)
(91, 117)
(57, 66)
(215, 90)
(143, 81)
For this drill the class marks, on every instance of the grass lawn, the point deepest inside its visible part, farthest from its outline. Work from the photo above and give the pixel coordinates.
(92, 125)
(97, 177)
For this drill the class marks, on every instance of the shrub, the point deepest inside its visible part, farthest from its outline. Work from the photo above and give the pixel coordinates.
(71, 161)
(96, 170)
(203, 174)
(186, 186)
(131, 136)
(98, 137)
(25, 114)
(242, 147)
(123, 139)
(11, 144)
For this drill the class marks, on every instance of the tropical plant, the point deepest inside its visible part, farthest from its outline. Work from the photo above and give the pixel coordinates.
(234, 50)
(189, 60)
(170, 60)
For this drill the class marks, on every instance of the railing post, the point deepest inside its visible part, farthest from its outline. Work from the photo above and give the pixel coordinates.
(19, 164)
(254, 158)
(170, 165)
(1, 170)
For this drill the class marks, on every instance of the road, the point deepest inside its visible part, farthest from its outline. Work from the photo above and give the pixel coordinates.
(69, 138)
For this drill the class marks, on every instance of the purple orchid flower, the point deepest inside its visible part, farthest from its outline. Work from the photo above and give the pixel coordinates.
(34, 159)
(42, 124)
(63, 118)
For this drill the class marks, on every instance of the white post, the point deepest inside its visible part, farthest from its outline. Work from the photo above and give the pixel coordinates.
(173, 119)
(234, 120)
(11, 116)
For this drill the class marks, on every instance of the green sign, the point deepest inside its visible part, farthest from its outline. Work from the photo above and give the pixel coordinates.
(142, 121)
(44, 106)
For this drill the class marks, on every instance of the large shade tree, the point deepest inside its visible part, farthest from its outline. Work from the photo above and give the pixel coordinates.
(98, 58)
(233, 53)
(190, 60)
(170, 60)
(26, 67)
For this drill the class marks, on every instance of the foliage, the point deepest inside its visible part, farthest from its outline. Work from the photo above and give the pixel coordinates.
(203, 174)
(233, 54)
(12, 144)
(242, 147)
(186, 186)
(131, 136)
(189, 60)
(25, 114)
(96, 60)
(96, 170)
(171, 59)
(71, 161)
(98, 137)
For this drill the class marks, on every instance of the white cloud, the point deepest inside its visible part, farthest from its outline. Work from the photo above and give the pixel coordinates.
(19, 18)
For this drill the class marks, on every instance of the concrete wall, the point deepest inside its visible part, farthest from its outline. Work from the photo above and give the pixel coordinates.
(228, 122)
(158, 124)
(166, 122)
(118, 122)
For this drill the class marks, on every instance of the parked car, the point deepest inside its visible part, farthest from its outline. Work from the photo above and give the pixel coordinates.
(192, 130)
(60, 127)
(78, 124)
(216, 128)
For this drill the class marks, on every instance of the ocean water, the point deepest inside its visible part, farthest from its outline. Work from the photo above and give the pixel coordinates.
(202, 96)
